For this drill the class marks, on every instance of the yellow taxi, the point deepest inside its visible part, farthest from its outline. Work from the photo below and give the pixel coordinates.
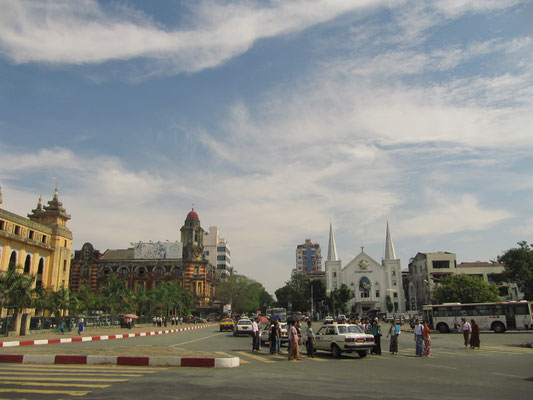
(226, 324)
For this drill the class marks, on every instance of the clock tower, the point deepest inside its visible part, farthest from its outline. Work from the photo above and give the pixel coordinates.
(195, 266)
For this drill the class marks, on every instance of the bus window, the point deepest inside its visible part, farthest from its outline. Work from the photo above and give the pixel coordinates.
(521, 309)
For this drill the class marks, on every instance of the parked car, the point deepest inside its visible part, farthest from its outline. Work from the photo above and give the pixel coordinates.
(339, 338)
(242, 327)
(226, 324)
(265, 333)
(329, 319)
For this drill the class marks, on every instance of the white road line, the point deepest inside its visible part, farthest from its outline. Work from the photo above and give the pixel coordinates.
(512, 376)
(195, 340)
(440, 366)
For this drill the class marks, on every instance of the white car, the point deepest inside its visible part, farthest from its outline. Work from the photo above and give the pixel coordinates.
(242, 327)
(265, 333)
(329, 319)
(343, 338)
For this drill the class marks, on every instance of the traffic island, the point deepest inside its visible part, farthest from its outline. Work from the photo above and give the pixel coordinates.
(45, 359)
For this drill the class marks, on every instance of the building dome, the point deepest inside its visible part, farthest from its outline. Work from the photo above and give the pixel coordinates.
(192, 215)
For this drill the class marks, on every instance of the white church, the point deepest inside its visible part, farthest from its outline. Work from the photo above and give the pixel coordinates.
(369, 281)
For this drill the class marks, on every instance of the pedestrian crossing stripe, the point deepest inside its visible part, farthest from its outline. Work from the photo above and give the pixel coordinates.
(68, 374)
(28, 367)
(254, 357)
(61, 379)
(85, 367)
(44, 391)
(83, 385)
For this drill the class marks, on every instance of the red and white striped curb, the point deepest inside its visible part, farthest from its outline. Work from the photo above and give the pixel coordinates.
(94, 338)
(230, 362)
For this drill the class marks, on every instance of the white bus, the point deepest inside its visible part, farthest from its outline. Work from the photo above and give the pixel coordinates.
(489, 316)
(277, 313)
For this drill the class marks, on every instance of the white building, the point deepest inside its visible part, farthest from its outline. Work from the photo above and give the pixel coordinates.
(217, 251)
(370, 282)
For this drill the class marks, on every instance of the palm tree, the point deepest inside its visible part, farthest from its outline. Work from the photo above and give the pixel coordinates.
(114, 295)
(86, 300)
(16, 290)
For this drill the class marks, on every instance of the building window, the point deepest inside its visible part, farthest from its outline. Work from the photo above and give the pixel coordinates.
(40, 268)
(222, 249)
(43, 239)
(141, 272)
(206, 252)
(123, 273)
(85, 272)
(377, 292)
(395, 295)
(17, 230)
(159, 272)
(441, 264)
(334, 274)
(176, 272)
(27, 264)
(13, 260)
(364, 287)
(221, 258)
(2, 224)
(64, 265)
(196, 270)
(31, 235)
(65, 244)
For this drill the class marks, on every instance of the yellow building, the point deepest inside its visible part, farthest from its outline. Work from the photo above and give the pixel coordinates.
(40, 244)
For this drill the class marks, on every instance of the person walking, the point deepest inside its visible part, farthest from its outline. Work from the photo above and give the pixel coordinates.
(80, 326)
(310, 343)
(394, 333)
(273, 332)
(474, 339)
(376, 332)
(466, 329)
(61, 325)
(427, 340)
(294, 347)
(419, 333)
(255, 335)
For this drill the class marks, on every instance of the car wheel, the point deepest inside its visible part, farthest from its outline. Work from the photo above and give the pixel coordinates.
(335, 351)
(443, 328)
(362, 353)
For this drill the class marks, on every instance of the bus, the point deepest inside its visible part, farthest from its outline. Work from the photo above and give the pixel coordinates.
(277, 313)
(498, 316)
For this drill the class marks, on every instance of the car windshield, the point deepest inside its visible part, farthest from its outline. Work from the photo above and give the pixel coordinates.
(245, 322)
(349, 329)
(227, 320)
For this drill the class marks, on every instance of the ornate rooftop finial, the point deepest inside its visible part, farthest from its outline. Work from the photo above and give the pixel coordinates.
(56, 194)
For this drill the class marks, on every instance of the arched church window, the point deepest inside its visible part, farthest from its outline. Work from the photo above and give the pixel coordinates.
(123, 272)
(364, 287)
(377, 289)
(141, 272)
(159, 272)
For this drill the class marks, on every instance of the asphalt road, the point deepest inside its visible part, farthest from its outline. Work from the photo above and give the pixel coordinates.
(499, 370)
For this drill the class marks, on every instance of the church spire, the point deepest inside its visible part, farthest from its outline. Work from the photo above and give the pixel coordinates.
(332, 249)
(390, 254)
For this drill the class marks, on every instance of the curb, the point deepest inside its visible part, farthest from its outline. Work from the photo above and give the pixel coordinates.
(121, 360)
(528, 345)
(94, 338)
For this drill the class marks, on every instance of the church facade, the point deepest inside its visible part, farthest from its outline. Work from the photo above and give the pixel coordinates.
(376, 287)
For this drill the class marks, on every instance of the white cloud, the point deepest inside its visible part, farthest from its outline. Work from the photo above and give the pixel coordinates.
(80, 32)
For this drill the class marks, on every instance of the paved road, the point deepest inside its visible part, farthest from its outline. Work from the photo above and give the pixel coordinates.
(500, 370)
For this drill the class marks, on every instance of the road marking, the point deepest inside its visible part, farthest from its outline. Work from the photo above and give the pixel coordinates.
(60, 379)
(440, 366)
(253, 356)
(89, 370)
(67, 392)
(315, 359)
(192, 341)
(86, 385)
(512, 376)
(68, 374)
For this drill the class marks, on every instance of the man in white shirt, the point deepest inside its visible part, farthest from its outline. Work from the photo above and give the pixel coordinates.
(466, 329)
(419, 332)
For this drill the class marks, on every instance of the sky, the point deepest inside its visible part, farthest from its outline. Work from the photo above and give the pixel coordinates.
(274, 118)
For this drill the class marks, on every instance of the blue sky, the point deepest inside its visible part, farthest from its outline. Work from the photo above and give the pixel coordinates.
(274, 118)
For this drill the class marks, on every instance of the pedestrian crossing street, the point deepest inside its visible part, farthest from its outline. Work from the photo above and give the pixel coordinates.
(247, 357)
(56, 381)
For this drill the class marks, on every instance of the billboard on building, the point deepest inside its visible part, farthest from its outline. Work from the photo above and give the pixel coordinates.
(157, 250)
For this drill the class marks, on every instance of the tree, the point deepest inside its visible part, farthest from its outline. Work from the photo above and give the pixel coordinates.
(16, 290)
(465, 289)
(518, 264)
(113, 293)
(244, 294)
(296, 292)
(340, 297)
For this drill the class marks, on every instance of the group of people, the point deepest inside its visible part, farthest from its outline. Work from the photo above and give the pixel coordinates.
(470, 333)
(162, 321)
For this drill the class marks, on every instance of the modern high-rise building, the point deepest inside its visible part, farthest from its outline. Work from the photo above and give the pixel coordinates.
(308, 257)
(217, 251)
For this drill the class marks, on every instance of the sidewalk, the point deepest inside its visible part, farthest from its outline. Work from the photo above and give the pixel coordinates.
(34, 349)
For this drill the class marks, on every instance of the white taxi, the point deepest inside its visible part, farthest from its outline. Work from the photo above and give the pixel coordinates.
(343, 338)
(242, 327)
